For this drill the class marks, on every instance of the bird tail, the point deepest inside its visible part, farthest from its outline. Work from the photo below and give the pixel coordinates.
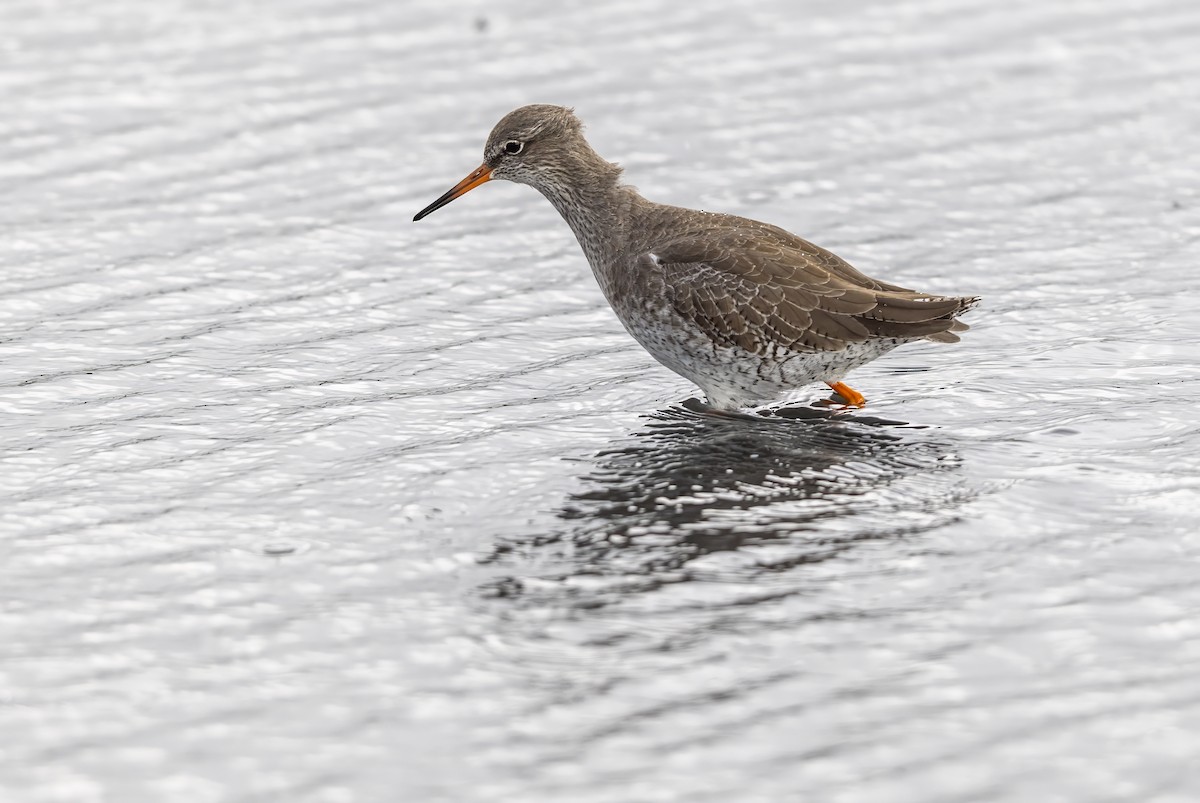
(912, 316)
(950, 335)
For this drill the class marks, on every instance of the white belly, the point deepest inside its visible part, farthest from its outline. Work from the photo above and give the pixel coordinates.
(733, 377)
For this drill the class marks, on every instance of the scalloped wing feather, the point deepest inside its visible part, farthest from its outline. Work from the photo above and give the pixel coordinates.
(742, 289)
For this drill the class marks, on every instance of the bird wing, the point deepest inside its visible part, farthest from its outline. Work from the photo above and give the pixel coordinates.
(742, 289)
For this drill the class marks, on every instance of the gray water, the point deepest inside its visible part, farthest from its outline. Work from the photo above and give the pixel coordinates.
(302, 501)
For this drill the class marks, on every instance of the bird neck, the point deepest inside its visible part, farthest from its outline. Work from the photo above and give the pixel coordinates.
(595, 204)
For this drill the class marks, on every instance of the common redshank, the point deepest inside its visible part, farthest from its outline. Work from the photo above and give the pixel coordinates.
(745, 310)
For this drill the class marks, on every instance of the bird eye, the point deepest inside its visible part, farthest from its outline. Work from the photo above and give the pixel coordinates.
(512, 146)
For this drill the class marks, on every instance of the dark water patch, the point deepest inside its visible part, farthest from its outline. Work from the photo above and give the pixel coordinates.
(692, 483)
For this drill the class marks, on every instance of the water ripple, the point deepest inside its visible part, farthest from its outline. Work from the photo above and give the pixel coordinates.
(285, 475)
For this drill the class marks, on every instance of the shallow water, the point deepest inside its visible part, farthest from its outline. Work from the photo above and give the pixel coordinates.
(304, 501)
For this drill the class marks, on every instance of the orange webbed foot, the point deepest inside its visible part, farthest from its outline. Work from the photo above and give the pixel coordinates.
(852, 396)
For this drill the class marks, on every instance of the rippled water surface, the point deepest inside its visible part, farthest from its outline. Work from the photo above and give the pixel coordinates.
(303, 501)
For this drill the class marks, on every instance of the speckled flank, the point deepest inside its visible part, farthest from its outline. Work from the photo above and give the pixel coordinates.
(731, 376)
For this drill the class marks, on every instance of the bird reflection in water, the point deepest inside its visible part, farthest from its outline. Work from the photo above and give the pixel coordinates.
(694, 482)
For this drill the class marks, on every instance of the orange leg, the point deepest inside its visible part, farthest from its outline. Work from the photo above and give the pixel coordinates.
(852, 396)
